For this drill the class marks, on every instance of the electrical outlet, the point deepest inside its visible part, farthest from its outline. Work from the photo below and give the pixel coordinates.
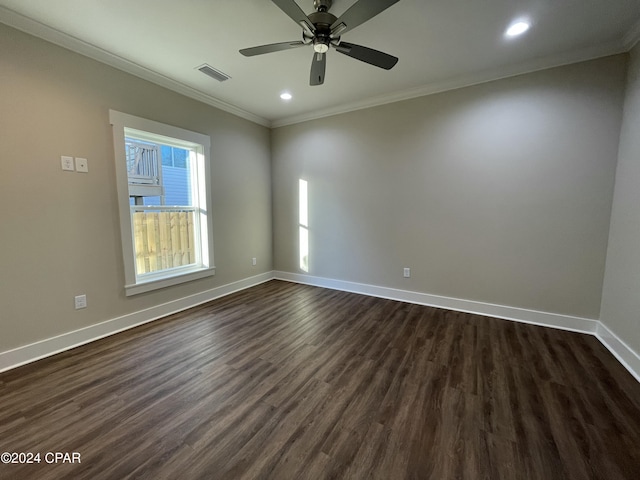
(82, 165)
(407, 272)
(81, 301)
(254, 261)
(67, 163)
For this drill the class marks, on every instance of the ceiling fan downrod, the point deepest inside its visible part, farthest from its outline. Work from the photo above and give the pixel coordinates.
(322, 5)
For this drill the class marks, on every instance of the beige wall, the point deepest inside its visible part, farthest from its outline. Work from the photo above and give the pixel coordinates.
(497, 193)
(621, 295)
(59, 231)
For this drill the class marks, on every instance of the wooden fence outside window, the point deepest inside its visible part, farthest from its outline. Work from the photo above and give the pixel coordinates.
(163, 239)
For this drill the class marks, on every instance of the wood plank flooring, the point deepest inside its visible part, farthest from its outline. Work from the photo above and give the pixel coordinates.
(285, 381)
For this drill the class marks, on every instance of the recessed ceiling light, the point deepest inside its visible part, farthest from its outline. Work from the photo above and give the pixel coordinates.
(517, 28)
(286, 96)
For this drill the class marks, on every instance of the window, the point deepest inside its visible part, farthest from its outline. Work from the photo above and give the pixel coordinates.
(164, 198)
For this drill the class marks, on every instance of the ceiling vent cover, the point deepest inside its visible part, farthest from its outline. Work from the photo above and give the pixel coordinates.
(213, 73)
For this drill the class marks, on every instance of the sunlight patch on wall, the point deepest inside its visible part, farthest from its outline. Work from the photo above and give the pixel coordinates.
(303, 225)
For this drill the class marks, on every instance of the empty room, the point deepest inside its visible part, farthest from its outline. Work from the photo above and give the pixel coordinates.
(313, 239)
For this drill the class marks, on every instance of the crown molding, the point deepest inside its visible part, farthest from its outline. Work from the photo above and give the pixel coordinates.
(69, 42)
(539, 64)
(33, 27)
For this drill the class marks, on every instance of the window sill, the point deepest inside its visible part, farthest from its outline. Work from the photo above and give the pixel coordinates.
(157, 283)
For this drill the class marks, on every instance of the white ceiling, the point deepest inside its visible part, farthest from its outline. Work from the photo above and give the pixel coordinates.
(441, 44)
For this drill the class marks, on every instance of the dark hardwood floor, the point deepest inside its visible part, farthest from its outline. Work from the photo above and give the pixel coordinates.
(287, 381)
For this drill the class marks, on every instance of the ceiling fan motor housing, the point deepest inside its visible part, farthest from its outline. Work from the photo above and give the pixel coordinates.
(322, 21)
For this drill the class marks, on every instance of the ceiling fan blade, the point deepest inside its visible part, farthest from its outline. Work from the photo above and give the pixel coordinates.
(318, 67)
(367, 55)
(359, 13)
(291, 8)
(272, 47)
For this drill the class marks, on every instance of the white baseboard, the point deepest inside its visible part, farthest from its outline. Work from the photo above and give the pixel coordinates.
(625, 354)
(45, 348)
(554, 320)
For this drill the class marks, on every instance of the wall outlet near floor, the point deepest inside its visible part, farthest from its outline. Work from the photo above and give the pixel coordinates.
(407, 272)
(81, 301)
(254, 261)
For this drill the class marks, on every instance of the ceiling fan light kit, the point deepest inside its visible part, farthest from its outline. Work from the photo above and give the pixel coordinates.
(323, 30)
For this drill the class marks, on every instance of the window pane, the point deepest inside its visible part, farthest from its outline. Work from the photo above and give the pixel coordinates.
(180, 157)
(165, 152)
(153, 200)
(177, 187)
(164, 238)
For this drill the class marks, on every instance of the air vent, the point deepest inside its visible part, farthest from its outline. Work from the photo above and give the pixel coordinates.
(213, 73)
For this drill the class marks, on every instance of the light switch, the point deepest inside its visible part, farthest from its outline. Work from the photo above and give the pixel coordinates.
(80, 301)
(82, 165)
(67, 163)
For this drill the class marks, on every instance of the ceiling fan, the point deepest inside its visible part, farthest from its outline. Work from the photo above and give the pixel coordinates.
(323, 30)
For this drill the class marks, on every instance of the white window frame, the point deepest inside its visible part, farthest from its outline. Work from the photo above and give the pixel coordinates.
(135, 284)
